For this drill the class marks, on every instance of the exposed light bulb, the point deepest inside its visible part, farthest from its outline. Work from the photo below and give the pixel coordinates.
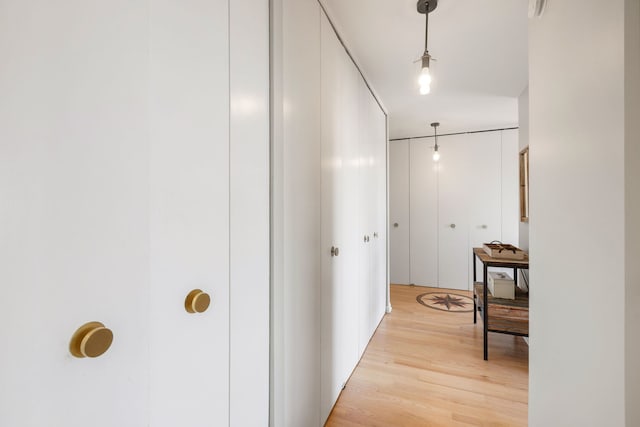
(436, 156)
(425, 81)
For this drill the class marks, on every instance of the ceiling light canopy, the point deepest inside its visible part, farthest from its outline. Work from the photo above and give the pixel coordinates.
(426, 7)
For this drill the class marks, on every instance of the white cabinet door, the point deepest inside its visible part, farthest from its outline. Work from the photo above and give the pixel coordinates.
(73, 211)
(399, 227)
(424, 212)
(189, 212)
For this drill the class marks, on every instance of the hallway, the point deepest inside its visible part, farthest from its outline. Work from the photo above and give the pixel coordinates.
(424, 367)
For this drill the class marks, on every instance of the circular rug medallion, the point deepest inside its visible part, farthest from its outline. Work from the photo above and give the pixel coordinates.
(446, 301)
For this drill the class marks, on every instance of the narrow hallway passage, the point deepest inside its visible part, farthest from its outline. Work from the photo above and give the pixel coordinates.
(424, 367)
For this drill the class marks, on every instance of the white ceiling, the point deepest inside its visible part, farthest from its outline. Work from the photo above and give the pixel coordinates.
(481, 53)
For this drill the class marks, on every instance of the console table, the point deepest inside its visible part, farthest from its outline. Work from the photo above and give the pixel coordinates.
(499, 315)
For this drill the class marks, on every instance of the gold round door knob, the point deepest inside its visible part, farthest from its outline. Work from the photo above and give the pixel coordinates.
(197, 301)
(92, 339)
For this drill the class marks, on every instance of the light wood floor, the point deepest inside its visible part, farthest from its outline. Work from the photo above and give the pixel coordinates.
(424, 367)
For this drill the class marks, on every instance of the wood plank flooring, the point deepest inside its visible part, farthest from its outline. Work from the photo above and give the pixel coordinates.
(424, 367)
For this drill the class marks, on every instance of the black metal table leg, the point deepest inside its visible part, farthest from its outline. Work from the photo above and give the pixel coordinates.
(474, 266)
(475, 305)
(515, 276)
(485, 313)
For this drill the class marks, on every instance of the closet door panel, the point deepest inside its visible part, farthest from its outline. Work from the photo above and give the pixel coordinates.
(484, 197)
(455, 178)
(189, 112)
(350, 230)
(331, 176)
(340, 217)
(366, 195)
(399, 227)
(423, 212)
(380, 210)
(73, 211)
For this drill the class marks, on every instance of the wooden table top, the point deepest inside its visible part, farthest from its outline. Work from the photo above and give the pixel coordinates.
(501, 262)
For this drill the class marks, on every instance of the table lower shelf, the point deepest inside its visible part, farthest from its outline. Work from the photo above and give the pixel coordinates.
(505, 316)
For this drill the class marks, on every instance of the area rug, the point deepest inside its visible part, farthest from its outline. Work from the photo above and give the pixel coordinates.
(446, 301)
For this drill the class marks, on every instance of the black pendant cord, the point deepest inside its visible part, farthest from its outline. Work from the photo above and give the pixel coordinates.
(435, 136)
(426, 31)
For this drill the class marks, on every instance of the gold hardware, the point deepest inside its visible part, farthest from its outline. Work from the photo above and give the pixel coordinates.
(335, 251)
(197, 301)
(92, 339)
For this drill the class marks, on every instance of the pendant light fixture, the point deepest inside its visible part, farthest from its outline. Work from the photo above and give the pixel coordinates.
(436, 153)
(426, 7)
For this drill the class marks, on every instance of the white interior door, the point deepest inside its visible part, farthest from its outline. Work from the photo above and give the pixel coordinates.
(74, 207)
(399, 227)
(423, 194)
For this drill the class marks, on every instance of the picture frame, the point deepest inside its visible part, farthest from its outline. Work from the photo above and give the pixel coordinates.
(524, 185)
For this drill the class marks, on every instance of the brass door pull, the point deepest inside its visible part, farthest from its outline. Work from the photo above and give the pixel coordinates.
(92, 339)
(197, 301)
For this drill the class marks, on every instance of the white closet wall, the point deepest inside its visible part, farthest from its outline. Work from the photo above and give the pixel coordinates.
(468, 198)
(119, 172)
(353, 140)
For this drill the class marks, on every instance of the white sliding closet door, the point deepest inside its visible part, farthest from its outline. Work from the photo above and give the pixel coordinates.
(424, 212)
(399, 227)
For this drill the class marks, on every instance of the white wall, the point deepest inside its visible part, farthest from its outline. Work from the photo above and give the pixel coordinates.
(577, 228)
(632, 214)
(523, 142)
(295, 232)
